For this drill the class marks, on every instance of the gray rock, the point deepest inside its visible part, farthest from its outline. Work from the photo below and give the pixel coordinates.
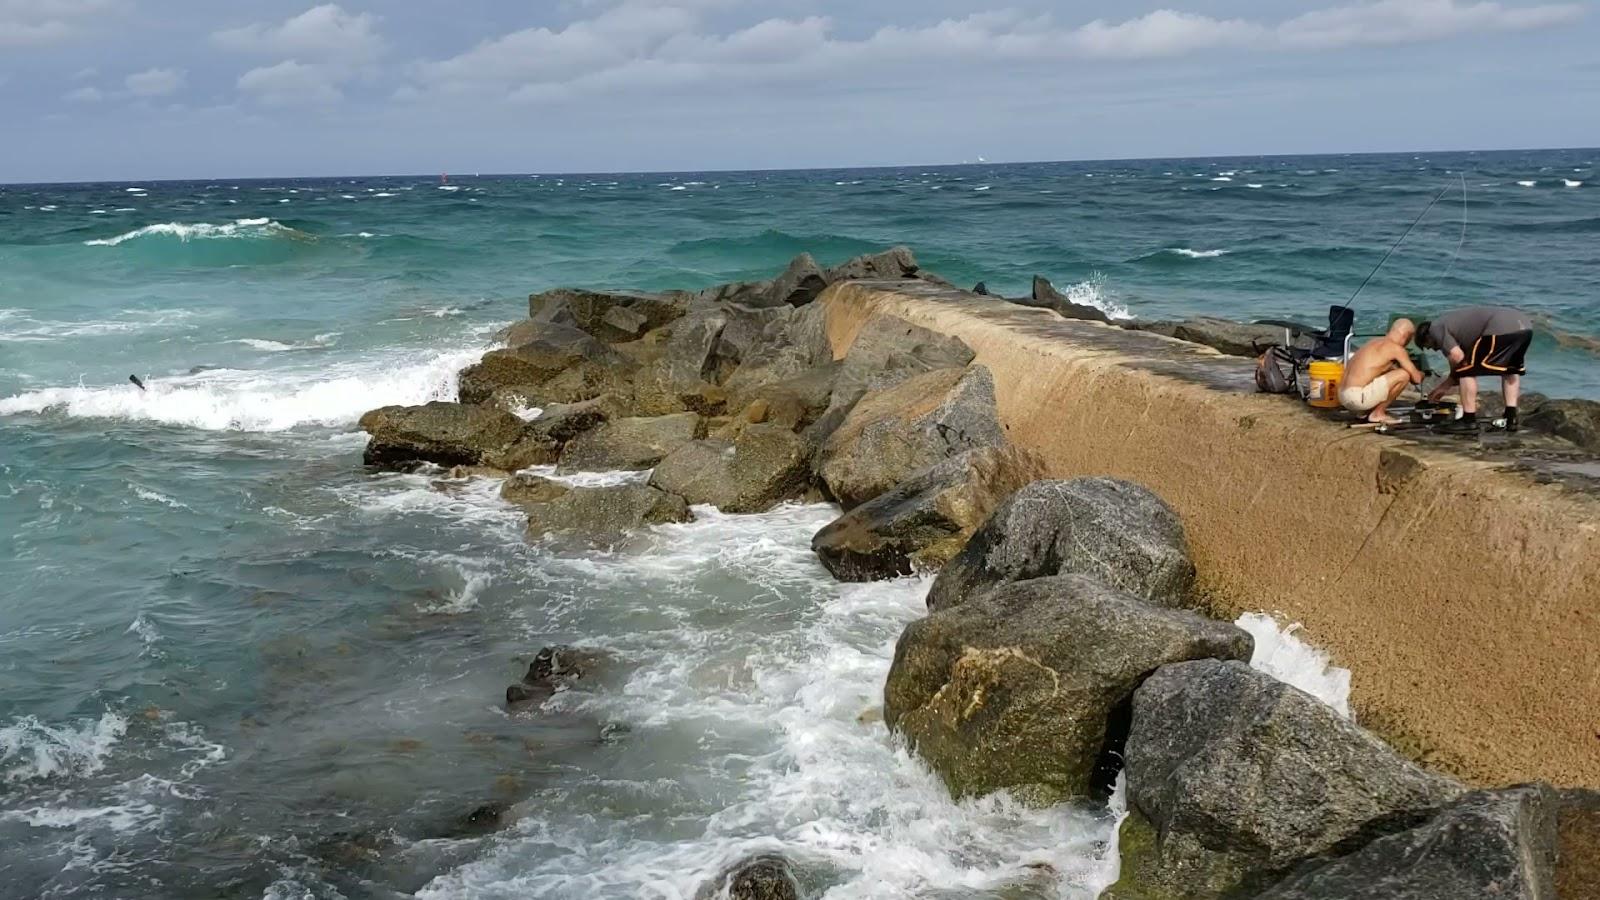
(528, 331)
(1223, 335)
(981, 289)
(630, 443)
(526, 490)
(795, 394)
(556, 669)
(1045, 295)
(1112, 530)
(1019, 689)
(800, 283)
(1489, 844)
(611, 316)
(764, 877)
(1578, 825)
(606, 514)
(896, 262)
(1243, 776)
(925, 520)
(752, 473)
(444, 434)
(743, 293)
(533, 364)
(891, 433)
(561, 422)
(1576, 420)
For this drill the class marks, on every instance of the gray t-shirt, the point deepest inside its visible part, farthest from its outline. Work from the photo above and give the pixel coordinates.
(1463, 327)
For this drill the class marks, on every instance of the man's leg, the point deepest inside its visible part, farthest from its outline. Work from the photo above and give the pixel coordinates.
(1511, 387)
(1397, 386)
(1469, 394)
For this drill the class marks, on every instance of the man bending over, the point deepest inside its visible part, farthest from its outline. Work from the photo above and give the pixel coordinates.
(1479, 341)
(1378, 373)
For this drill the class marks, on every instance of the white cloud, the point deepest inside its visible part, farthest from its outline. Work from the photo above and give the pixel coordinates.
(84, 95)
(291, 83)
(154, 82)
(37, 23)
(655, 43)
(327, 33)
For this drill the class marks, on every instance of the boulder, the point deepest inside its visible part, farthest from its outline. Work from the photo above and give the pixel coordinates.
(533, 364)
(795, 395)
(981, 289)
(444, 434)
(885, 351)
(893, 432)
(799, 284)
(528, 331)
(606, 514)
(1046, 295)
(1223, 335)
(1242, 776)
(896, 262)
(1576, 420)
(1488, 844)
(1112, 530)
(1020, 689)
(919, 524)
(687, 367)
(630, 443)
(611, 316)
(742, 293)
(526, 490)
(753, 472)
(561, 422)
(1578, 827)
(556, 669)
(764, 877)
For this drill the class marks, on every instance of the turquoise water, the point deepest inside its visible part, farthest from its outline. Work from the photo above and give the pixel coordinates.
(234, 664)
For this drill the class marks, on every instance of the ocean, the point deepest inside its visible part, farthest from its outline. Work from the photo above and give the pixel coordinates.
(235, 664)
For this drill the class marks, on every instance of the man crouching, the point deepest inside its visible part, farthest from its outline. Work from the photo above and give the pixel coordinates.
(1378, 373)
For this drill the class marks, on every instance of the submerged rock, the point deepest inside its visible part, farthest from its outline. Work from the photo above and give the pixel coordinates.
(1242, 777)
(1020, 688)
(894, 432)
(1112, 530)
(763, 465)
(556, 669)
(1488, 844)
(606, 514)
(925, 520)
(630, 443)
(764, 877)
(444, 434)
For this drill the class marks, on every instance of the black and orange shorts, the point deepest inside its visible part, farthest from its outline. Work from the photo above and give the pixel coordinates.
(1497, 354)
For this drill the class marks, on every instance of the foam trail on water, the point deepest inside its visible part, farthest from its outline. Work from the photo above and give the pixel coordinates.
(239, 228)
(30, 749)
(1282, 654)
(1187, 253)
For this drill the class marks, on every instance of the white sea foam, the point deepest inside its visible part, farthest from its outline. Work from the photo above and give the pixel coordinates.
(21, 326)
(157, 497)
(277, 400)
(1222, 178)
(30, 749)
(1093, 293)
(1254, 186)
(1282, 654)
(239, 228)
(1527, 183)
(1187, 253)
(319, 342)
(1566, 181)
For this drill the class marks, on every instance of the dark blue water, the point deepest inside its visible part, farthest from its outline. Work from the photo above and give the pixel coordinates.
(234, 664)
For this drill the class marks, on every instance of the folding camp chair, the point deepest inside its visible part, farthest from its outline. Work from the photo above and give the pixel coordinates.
(1307, 344)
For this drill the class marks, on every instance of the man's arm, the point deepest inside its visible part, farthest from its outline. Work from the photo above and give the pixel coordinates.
(1444, 387)
(1403, 359)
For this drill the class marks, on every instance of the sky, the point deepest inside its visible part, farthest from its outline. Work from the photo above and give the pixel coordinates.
(139, 89)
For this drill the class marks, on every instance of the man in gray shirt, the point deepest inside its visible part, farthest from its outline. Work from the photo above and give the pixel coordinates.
(1479, 341)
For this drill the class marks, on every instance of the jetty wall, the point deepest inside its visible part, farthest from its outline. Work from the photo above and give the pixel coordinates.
(1462, 592)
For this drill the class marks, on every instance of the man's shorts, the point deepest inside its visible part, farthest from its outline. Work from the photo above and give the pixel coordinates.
(1365, 398)
(1496, 354)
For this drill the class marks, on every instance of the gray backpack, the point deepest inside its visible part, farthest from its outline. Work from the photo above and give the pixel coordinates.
(1275, 372)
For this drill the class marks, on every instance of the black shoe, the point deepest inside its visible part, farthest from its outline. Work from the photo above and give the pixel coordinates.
(1458, 426)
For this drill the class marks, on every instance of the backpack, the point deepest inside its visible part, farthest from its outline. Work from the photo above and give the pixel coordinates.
(1275, 372)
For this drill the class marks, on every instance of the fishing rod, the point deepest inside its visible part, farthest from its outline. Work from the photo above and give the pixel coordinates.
(1429, 208)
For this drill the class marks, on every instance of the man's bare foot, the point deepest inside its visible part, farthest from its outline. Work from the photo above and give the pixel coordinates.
(1383, 419)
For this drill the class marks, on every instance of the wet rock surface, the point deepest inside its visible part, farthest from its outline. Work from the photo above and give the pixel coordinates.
(606, 514)
(1112, 530)
(765, 877)
(1019, 689)
(753, 472)
(1242, 777)
(630, 443)
(440, 433)
(560, 668)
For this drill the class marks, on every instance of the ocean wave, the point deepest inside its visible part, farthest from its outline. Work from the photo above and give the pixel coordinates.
(1187, 253)
(1093, 292)
(266, 401)
(239, 228)
(20, 325)
(30, 749)
(320, 342)
(1281, 653)
(1571, 183)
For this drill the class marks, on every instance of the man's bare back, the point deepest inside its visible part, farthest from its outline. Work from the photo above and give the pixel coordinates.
(1361, 392)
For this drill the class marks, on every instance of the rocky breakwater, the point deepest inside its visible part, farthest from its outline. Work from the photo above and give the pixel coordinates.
(1062, 650)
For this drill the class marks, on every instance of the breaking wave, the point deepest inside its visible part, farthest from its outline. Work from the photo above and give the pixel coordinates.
(30, 749)
(239, 228)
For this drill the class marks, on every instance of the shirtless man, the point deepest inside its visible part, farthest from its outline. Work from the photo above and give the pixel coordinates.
(1378, 373)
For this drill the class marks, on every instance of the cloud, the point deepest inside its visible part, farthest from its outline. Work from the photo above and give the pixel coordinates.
(38, 23)
(154, 82)
(326, 33)
(84, 95)
(292, 83)
(656, 43)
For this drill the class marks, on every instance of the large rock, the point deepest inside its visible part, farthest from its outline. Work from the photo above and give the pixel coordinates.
(557, 669)
(561, 422)
(925, 520)
(606, 514)
(765, 464)
(1488, 844)
(533, 364)
(885, 351)
(1243, 776)
(794, 393)
(1576, 420)
(1112, 530)
(800, 282)
(1046, 295)
(891, 433)
(528, 331)
(1578, 825)
(896, 262)
(611, 316)
(764, 877)
(1223, 335)
(527, 490)
(449, 434)
(1020, 688)
(630, 443)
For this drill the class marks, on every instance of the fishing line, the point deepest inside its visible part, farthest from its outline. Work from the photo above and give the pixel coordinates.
(1463, 242)
(1431, 204)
